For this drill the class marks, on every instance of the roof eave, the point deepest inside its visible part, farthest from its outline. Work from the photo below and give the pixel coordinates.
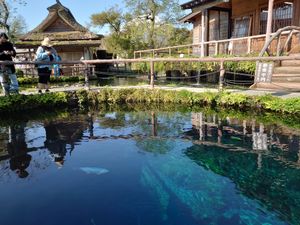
(195, 3)
(189, 18)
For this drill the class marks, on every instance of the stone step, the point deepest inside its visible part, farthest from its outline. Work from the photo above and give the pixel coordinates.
(292, 63)
(286, 78)
(286, 70)
(286, 75)
(295, 54)
(294, 86)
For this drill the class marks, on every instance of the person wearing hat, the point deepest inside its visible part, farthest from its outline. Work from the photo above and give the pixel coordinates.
(45, 53)
(7, 72)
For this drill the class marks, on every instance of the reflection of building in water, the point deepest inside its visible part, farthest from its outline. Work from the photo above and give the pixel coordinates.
(259, 139)
(61, 134)
(234, 133)
(4, 137)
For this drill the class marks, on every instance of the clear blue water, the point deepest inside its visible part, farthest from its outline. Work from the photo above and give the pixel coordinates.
(148, 168)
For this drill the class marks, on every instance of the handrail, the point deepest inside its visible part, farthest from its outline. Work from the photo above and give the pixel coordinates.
(289, 30)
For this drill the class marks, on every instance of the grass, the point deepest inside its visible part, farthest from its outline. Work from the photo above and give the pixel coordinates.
(222, 100)
(266, 109)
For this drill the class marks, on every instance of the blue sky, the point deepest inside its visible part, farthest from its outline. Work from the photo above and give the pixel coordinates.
(36, 10)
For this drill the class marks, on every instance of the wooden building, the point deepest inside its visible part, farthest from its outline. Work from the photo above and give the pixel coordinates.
(71, 40)
(215, 20)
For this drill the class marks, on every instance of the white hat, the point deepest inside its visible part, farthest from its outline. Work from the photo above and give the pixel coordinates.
(46, 42)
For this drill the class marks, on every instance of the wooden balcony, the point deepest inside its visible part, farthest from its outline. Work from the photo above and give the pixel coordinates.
(234, 46)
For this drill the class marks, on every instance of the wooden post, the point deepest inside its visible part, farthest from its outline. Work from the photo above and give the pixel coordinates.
(93, 70)
(189, 51)
(200, 126)
(140, 55)
(170, 52)
(216, 48)
(152, 74)
(154, 124)
(278, 49)
(203, 18)
(270, 19)
(249, 41)
(86, 77)
(221, 78)
(134, 55)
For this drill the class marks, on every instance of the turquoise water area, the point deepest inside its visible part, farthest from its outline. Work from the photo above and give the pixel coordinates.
(147, 168)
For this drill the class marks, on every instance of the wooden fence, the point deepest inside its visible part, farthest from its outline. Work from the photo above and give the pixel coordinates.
(87, 63)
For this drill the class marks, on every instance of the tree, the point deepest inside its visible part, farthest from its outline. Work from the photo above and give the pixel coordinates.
(7, 15)
(114, 19)
(135, 31)
(17, 26)
(155, 12)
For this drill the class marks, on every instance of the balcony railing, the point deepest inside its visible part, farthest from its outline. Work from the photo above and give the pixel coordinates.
(233, 46)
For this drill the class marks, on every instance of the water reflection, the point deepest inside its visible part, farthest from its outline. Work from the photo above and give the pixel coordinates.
(17, 150)
(201, 167)
(242, 134)
(61, 135)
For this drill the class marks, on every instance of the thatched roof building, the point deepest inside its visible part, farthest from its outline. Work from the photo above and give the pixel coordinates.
(70, 39)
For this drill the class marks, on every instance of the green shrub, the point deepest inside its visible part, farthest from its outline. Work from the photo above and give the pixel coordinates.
(186, 99)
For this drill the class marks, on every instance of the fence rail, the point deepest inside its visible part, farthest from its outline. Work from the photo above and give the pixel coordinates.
(152, 61)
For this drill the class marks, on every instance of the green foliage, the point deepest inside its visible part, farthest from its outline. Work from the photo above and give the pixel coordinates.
(161, 67)
(25, 102)
(187, 99)
(141, 29)
(19, 73)
(226, 99)
(242, 67)
(290, 105)
(34, 80)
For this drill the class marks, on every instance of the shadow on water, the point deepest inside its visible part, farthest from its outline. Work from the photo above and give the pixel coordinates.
(181, 167)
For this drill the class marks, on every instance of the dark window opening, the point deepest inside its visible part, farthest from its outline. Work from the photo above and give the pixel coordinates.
(282, 16)
(242, 27)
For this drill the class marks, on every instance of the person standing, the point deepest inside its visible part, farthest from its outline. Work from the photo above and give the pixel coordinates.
(7, 72)
(45, 53)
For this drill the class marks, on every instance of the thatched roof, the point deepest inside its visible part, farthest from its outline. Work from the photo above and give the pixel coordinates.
(59, 25)
(77, 43)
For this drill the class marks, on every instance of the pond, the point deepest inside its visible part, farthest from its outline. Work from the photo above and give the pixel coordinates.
(147, 168)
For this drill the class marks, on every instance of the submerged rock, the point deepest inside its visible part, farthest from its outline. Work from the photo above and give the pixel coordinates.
(94, 170)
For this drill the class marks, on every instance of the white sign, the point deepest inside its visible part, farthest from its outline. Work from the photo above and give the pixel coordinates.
(263, 72)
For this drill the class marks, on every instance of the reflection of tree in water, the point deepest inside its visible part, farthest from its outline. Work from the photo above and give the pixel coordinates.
(160, 126)
(274, 184)
(113, 120)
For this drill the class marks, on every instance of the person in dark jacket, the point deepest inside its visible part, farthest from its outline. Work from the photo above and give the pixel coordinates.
(7, 72)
